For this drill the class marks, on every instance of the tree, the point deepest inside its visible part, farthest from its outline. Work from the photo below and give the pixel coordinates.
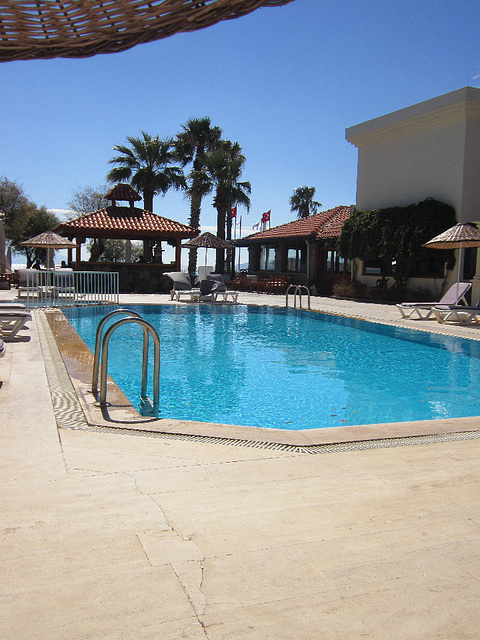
(87, 200)
(16, 208)
(113, 250)
(303, 203)
(224, 167)
(192, 145)
(39, 221)
(148, 165)
(396, 234)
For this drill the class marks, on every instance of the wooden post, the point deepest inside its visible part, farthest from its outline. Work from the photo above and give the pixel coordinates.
(178, 255)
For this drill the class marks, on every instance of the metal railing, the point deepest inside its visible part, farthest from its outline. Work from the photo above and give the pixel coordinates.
(100, 360)
(298, 288)
(68, 288)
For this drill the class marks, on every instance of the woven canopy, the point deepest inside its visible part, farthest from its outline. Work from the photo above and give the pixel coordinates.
(49, 240)
(208, 241)
(461, 235)
(83, 28)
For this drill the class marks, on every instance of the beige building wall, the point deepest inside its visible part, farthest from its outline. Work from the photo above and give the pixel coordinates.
(431, 149)
(428, 150)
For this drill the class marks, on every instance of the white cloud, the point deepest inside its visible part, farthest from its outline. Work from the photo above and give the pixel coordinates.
(61, 213)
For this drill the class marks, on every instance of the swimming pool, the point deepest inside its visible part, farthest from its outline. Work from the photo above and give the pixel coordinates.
(290, 369)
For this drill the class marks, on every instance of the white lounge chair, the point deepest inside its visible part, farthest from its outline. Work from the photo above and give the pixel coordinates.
(181, 286)
(63, 283)
(11, 321)
(220, 291)
(12, 306)
(28, 283)
(424, 310)
(458, 313)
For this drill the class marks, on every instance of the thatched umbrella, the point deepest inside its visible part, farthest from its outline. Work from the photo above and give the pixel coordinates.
(207, 241)
(50, 241)
(461, 236)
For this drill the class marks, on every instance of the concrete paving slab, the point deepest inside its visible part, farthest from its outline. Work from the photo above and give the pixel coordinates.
(117, 535)
(394, 612)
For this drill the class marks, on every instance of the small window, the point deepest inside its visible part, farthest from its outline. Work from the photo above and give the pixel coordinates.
(432, 268)
(267, 258)
(296, 259)
(376, 268)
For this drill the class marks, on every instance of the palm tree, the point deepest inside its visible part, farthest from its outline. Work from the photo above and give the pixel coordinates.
(148, 165)
(224, 167)
(303, 203)
(191, 145)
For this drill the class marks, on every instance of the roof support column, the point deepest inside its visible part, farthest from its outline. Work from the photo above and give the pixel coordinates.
(178, 255)
(78, 252)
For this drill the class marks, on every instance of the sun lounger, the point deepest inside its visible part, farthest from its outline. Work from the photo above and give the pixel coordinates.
(424, 310)
(181, 285)
(224, 296)
(11, 321)
(458, 313)
(28, 283)
(12, 306)
(63, 283)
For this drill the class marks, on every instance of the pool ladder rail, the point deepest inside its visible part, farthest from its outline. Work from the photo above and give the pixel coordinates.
(100, 360)
(298, 288)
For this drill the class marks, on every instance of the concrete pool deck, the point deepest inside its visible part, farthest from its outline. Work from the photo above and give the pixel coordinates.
(109, 535)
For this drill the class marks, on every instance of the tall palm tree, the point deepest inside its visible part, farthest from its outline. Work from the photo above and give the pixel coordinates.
(148, 165)
(303, 203)
(192, 144)
(224, 166)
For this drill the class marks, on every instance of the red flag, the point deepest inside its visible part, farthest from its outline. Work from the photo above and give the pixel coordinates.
(266, 216)
(234, 212)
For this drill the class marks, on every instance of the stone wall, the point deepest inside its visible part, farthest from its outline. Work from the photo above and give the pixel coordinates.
(135, 277)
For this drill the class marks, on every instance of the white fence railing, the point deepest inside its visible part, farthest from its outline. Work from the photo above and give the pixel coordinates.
(64, 288)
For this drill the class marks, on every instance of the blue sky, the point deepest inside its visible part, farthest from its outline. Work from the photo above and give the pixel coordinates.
(283, 82)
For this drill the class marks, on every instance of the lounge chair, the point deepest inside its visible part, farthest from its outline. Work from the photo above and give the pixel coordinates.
(2, 348)
(181, 285)
(28, 282)
(220, 291)
(458, 313)
(11, 321)
(424, 310)
(63, 283)
(12, 306)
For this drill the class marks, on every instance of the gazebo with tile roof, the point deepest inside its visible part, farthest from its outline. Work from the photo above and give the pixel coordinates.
(127, 223)
(303, 249)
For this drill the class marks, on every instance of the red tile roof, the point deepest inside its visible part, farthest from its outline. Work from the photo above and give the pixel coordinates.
(125, 222)
(123, 192)
(326, 224)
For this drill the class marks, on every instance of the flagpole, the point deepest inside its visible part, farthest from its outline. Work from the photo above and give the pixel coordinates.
(239, 248)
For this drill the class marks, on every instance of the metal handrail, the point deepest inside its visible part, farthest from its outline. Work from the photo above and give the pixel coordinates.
(98, 340)
(298, 291)
(147, 329)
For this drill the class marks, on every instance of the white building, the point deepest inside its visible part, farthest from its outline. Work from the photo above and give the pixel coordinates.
(428, 150)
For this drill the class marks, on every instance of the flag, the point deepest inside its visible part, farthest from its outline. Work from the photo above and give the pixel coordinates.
(234, 212)
(257, 225)
(266, 216)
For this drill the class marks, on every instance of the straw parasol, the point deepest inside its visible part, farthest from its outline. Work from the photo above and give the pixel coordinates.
(50, 241)
(207, 241)
(34, 29)
(463, 235)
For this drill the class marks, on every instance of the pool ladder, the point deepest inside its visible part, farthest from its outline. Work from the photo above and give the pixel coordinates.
(298, 288)
(100, 360)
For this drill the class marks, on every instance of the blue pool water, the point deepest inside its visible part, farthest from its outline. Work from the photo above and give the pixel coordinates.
(268, 367)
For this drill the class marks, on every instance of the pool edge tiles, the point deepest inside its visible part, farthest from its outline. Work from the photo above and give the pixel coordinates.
(78, 361)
